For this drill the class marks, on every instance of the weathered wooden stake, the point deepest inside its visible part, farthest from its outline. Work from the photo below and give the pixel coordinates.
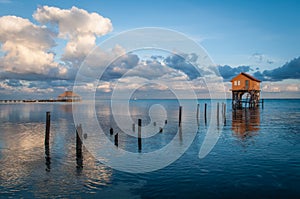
(180, 111)
(166, 121)
(47, 146)
(111, 131)
(262, 103)
(160, 129)
(205, 108)
(224, 114)
(79, 159)
(133, 127)
(47, 132)
(218, 113)
(197, 114)
(117, 140)
(139, 134)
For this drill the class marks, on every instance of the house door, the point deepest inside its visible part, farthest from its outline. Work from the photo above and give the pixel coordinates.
(247, 84)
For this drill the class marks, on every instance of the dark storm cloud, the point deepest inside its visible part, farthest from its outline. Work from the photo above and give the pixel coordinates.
(12, 75)
(228, 72)
(185, 63)
(119, 67)
(51, 84)
(290, 70)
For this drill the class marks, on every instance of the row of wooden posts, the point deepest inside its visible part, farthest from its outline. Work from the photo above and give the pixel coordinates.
(116, 138)
(79, 156)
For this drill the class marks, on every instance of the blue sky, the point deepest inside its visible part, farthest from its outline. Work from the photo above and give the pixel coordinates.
(263, 35)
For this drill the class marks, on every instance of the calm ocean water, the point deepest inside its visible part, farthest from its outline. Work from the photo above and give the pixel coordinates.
(256, 156)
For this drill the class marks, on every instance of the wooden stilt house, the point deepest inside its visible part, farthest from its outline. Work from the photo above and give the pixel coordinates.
(245, 84)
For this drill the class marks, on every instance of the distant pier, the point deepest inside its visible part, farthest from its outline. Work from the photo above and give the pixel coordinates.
(67, 96)
(36, 101)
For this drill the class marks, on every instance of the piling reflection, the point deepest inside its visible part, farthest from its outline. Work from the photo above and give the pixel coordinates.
(25, 159)
(245, 122)
(47, 158)
(67, 108)
(79, 157)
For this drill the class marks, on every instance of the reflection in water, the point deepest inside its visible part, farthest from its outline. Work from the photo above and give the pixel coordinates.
(245, 122)
(273, 165)
(79, 157)
(25, 161)
(47, 157)
(67, 108)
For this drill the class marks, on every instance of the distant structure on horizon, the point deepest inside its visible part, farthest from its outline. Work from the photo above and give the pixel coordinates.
(69, 96)
(245, 84)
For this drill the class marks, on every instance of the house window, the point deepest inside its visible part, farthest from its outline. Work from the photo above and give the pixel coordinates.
(235, 83)
(239, 82)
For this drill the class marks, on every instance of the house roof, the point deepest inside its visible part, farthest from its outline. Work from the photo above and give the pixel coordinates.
(68, 94)
(247, 75)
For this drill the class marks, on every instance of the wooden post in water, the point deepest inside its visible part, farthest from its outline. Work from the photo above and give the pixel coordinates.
(161, 129)
(139, 134)
(180, 111)
(218, 113)
(111, 131)
(47, 146)
(133, 127)
(262, 103)
(79, 160)
(205, 110)
(224, 114)
(47, 132)
(197, 114)
(166, 121)
(117, 140)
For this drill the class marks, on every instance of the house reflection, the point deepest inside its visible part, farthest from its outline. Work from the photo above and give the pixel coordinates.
(67, 108)
(245, 122)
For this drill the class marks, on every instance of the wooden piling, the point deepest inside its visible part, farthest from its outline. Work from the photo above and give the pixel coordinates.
(180, 111)
(47, 137)
(47, 132)
(224, 112)
(139, 134)
(117, 140)
(161, 129)
(197, 114)
(262, 103)
(205, 111)
(166, 121)
(111, 131)
(133, 127)
(79, 159)
(218, 113)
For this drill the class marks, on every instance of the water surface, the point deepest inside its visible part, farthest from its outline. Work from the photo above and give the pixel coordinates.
(257, 154)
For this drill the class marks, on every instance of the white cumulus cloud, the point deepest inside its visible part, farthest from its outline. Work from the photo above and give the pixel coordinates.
(26, 46)
(76, 25)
